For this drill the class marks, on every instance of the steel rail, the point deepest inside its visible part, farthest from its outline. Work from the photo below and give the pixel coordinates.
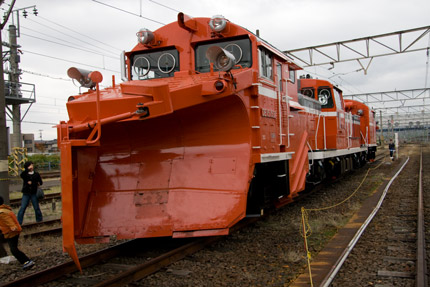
(141, 271)
(49, 196)
(133, 274)
(421, 277)
(335, 269)
(68, 267)
(36, 224)
(51, 231)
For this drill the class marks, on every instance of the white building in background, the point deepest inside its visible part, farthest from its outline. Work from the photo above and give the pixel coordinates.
(27, 142)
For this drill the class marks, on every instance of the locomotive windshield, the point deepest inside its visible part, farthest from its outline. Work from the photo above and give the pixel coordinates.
(151, 65)
(325, 97)
(240, 49)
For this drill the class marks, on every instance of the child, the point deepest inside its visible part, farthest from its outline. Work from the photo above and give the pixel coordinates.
(11, 229)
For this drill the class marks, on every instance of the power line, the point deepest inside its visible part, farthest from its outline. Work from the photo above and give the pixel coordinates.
(37, 123)
(47, 76)
(92, 45)
(69, 61)
(64, 27)
(65, 41)
(128, 12)
(55, 106)
(164, 6)
(72, 47)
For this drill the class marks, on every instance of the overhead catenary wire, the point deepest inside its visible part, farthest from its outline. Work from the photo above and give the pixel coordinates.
(85, 50)
(165, 6)
(66, 43)
(37, 123)
(128, 12)
(79, 33)
(333, 80)
(70, 61)
(71, 36)
(46, 76)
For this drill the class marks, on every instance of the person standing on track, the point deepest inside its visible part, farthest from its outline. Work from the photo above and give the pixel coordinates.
(31, 181)
(11, 229)
(392, 149)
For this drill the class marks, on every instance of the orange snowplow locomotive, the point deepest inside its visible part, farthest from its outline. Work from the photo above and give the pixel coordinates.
(209, 125)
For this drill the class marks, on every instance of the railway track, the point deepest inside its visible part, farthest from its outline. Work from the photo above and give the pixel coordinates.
(44, 228)
(392, 252)
(111, 261)
(48, 197)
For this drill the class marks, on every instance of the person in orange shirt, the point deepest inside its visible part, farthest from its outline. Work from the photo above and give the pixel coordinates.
(11, 229)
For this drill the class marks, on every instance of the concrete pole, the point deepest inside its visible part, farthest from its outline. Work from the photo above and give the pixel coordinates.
(381, 139)
(396, 144)
(4, 183)
(14, 81)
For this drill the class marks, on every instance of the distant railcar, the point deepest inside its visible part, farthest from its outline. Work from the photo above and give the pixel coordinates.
(210, 125)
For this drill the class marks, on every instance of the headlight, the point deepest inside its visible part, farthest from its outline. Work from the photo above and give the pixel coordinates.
(217, 23)
(222, 59)
(81, 76)
(144, 36)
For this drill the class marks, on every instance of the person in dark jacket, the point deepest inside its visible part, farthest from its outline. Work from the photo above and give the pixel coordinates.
(392, 149)
(31, 181)
(11, 229)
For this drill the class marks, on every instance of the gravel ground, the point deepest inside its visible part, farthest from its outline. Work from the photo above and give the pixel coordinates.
(391, 234)
(46, 252)
(268, 253)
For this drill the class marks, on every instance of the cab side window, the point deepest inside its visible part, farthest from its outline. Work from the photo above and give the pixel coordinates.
(292, 76)
(279, 73)
(266, 63)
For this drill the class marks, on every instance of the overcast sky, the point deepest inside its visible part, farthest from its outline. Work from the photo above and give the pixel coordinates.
(50, 44)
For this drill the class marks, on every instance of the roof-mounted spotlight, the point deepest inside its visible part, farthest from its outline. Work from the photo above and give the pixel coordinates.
(222, 59)
(144, 36)
(218, 23)
(81, 76)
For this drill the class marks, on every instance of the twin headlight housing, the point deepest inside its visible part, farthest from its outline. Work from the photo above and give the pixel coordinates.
(223, 60)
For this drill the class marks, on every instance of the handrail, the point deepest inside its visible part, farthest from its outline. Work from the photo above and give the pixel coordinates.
(96, 77)
(367, 136)
(280, 117)
(364, 139)
(316, 132)
(325, 134)
(312, 153)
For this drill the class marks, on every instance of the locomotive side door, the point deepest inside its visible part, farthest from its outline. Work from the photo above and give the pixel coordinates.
(282, 105)
(343, 137)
